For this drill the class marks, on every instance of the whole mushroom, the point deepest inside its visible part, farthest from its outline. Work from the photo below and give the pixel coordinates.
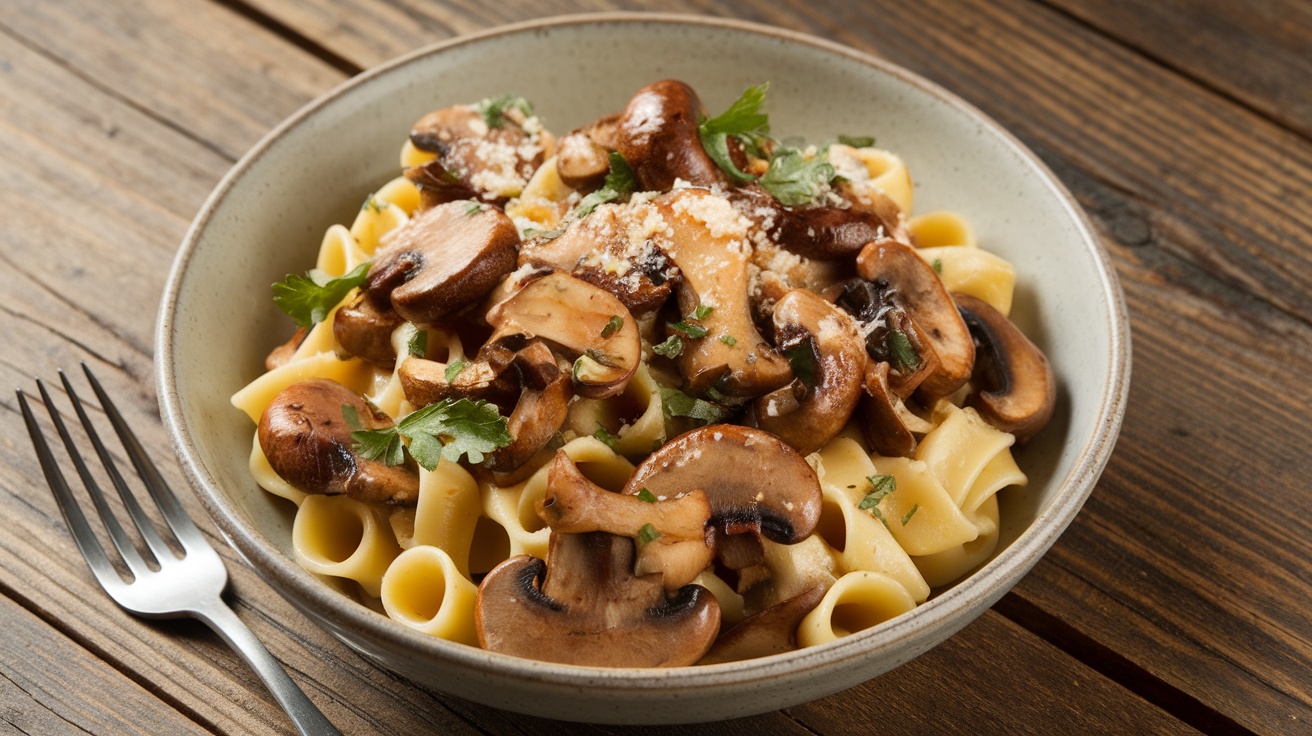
(657, 135)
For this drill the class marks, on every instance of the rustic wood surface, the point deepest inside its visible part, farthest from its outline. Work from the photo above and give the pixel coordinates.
(1180, 599)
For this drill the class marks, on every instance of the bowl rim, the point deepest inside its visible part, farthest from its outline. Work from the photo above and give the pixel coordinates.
(980, 589)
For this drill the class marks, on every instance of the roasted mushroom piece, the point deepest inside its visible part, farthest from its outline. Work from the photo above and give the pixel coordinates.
(584, 606)
(364, 329)
(821, 232)
(583, 154)
(892, 337)
(487, 153)
(826, 348)
(1013, 387)
(771, 631)
(442, 260)
(305, 436)
(881, 421)
(658, 136)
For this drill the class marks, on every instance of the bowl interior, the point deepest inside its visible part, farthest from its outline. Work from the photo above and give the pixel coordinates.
(267, 218)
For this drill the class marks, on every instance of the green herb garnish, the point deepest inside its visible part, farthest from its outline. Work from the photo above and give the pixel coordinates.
(612, 326)
(453, 369)
(880, 486)
(308, 299)
(676, 403)
(795, 180)
(606, 437)
(445, 430)
(620, 182)
(473, 209)
(373, 204)
(909, 514)
(494, 109)
(802, 358)
(743, 120)
(687, 329)
(937, 265)
(702, 311)
(671, 348)
(374, 443)
(904, 356)
(728, 340)
(857, 141)
(417, 345)
(648, 534)
(646, 495)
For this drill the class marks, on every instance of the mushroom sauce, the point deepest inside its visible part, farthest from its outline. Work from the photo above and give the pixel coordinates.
(657, 392)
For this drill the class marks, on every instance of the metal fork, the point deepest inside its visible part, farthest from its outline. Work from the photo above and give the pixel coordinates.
(172, 587)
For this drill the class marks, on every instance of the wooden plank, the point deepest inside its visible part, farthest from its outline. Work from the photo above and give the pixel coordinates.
(49, 684)
(1254, 52)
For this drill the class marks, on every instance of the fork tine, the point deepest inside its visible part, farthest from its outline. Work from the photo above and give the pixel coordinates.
(153, 540)
(184, 529)
(77, 522)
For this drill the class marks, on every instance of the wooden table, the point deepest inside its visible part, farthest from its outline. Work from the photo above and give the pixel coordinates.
(1179, 600)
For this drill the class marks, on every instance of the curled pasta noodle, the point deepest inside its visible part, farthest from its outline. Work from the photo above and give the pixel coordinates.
(944, 567)
(732, 604)
(413, 156)
(545, 199)
(974, 271)
(341, 537)
(921, 516)
(796, 567)
(447, 512)
(959, 449)
(424, 589)
(856, 602)
(354, 373)
(943, 228)
(376, 218)
(339, 253)
(636, 414)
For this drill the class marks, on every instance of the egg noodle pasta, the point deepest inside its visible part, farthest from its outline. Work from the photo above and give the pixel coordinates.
(743, 384)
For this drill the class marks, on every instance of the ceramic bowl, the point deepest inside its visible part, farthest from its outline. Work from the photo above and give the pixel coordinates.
(267, 216)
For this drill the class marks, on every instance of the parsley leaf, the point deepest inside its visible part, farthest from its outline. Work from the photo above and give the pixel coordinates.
(494, 109)
(671, 348)
(880, 486)
(743, 120)
(648, 534)
(308, 299)
(937, 265)
(857, 141)
(904, 356)
(473, 209)
(374, 204)
(729, 340)
(449, 429)
(909, 514)
(417, 345)
(646, 495)
(453, 369)
(687, 329)
(372, 444)
(795, 180)
(802, 358)
(607, 438)
(620, 182)
(702, 311)
(676, 403)
(614, 325)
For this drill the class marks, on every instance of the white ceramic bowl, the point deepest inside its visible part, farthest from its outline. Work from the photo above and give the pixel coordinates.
(267, 216)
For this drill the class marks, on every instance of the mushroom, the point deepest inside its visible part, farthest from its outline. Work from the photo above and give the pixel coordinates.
(779, 497)
(772, 631)
(365, 329)
(892, 336)
(588, 324)
(893, 265)
(536, 418)
(442, 260)
(282, 355)
(881, 422)
(823, 232)
(1013, 387)
(305, 436)
(495, 161)
(707, 243)
(657, 135)
(683, 548)
(584, 606)
(826, 339)
(583, 154)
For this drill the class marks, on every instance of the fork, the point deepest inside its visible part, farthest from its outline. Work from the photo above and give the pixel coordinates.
(173, 587)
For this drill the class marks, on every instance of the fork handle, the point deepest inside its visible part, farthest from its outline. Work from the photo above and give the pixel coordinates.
(307, 718)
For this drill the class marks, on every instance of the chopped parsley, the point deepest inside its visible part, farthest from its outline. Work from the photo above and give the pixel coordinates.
(308, 299)
(417, 345)
(494, 109)
(676, 403)
(728, 340)
(802, 358)
(904, 356)
(612, 326)
(620, 183)
(648, 534)
(453, 369)
(474, 209)
(443, 430)
(857, 141)
(671, 348)
(606, 437)
(880, 486)
(909, 514)
(702, 311)
(743, 120)
(795, 180)
(687, 329)
(937, 265)
(373, 204)
(646, 495)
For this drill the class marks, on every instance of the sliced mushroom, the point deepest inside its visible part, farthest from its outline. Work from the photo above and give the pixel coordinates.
(680, 546)
(921, 292)
(583, 155)
(282, 355)
(305, 436)
(823, 232)
(442, 260)
(657, 135)
(772, 631)
(881, 422)
(584, 606)
(588, 324)
(892, 336)
(707, 243)
(779, 497)
(826, 338)
(493, 161)
(535, 420)
(1013, 385)
(365, 330)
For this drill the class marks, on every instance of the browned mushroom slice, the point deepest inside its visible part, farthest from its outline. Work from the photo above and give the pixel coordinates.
(779, 497)
(425, 382)
(589, 324)
(671, 534)
(823, 233)
(892, 336)
(772, 631)
(282, 355)
(583, 154)
(825, 339)
(493, 161)
(707, 243)
(1013, 385)
(536, 418)
(658, 137)
(305, 436)
(881, 423)
(584, 606)
(442, 260)
(365, 330)
(921, 292)
(614, 248)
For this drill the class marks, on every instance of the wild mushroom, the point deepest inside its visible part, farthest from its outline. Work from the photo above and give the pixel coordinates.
(489, 153)
(892, 336)
(583, 154)
(881, 422)
(670, 533)
(657, 135)
(1013, 385)
(707, 243)
(588, 324)
(584, 606)
(831, 356)
(364, 329)
(921, 292)
(772, 631)
(779, 498)
(305, 436)
(822, 232)
(442, 260)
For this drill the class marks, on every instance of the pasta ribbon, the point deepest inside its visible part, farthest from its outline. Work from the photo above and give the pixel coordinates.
(857, 601)
(424, 590)
(341, 537)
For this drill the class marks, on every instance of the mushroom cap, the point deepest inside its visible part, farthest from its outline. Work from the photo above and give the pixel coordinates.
(657, 135)
(824, 232)
(583, 154)
(780, 496)
(308, 444)
(885, 319)
(881, 424)
(804, 321)
(920, 291)
(1014, 388)
(576, 317)
(771, 631)
(584, 606)
(442, 260)
(482, 158)
(365, 330)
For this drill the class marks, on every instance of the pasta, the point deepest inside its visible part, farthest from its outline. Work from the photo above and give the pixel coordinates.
(747, 387)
